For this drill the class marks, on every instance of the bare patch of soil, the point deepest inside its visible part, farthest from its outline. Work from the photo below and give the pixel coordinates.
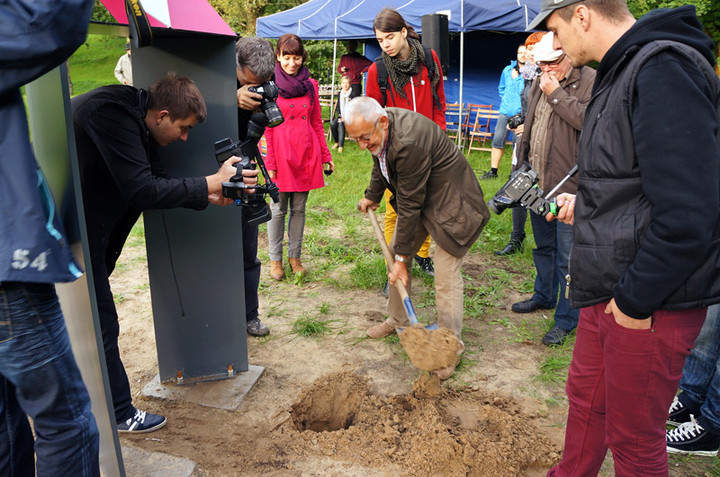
(345, 405)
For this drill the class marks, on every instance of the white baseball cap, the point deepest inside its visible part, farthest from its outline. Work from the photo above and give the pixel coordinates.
(544, 50)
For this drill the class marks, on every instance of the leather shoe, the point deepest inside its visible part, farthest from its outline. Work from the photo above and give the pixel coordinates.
(426, 265)
(512, 247)
(381, 330)
(556, 336)
(297, 266)
(276, 270)
(528, 306)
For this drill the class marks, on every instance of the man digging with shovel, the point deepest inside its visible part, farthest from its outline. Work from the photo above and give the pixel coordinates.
(434, 191)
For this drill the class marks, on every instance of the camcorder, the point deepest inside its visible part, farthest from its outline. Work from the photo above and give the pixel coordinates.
(521, 190)
(254, 204)
(268, 106)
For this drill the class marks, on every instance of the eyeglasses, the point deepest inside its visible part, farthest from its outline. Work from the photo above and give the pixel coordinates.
(368, 136)
(551, 63)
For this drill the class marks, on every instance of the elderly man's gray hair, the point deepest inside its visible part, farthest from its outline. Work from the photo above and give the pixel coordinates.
(257, 55)
(363, 107)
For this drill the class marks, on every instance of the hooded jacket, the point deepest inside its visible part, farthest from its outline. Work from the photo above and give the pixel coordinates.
(510, 90)
(35, 38)
(647, 215)
(119, 171)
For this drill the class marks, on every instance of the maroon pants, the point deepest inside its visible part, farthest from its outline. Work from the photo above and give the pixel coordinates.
(620, 386)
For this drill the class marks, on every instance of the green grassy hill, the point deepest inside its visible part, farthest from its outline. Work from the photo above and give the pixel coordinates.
(93, 63)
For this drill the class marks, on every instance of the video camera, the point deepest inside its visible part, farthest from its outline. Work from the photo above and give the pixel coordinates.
(269, 92)
(522, 190)
(256, 207)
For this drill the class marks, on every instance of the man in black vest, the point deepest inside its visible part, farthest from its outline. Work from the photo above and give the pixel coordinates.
(646, 252)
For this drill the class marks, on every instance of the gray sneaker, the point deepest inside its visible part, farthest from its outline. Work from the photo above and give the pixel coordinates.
(255, 327)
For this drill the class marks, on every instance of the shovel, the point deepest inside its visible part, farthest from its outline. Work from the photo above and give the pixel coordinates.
(429, 347)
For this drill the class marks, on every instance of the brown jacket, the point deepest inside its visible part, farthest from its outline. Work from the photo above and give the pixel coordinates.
(568, 105)
(432, 183)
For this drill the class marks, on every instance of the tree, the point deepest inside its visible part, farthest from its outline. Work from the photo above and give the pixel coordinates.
(242, 14)
(707, 11)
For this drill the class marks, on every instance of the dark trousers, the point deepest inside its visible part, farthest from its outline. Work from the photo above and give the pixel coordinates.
(251, 265)
(110, 328)
(337, 128)
(553, 242)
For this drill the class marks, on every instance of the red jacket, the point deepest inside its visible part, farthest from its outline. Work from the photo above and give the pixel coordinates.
(423, 98)
(296, 149)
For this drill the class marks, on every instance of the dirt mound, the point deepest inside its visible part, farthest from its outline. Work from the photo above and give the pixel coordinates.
(431, 431)
(430, 350)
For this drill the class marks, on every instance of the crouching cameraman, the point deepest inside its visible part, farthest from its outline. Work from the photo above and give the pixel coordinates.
(255, 65)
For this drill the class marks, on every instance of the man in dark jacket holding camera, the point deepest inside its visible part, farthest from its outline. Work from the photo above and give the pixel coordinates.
(556, 108)
(646, 253)
(255, 65)
(118, 130)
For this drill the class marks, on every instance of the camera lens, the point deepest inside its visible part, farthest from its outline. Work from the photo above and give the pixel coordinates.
(273, 113)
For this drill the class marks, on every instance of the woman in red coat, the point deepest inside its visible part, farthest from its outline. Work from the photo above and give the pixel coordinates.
(296, 152)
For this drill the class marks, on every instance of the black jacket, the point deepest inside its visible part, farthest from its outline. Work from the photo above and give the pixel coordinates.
(647, 216)
(119, 171)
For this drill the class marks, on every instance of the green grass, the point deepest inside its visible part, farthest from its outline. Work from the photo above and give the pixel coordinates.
(307, 325)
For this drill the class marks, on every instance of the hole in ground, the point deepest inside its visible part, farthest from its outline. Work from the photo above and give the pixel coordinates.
(330, 404)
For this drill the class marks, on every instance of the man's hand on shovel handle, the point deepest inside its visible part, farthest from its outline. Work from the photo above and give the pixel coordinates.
(365, 204)
(398, 271)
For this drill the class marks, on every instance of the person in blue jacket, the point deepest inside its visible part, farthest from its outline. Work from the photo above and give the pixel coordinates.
(38, 373)
(510, 90)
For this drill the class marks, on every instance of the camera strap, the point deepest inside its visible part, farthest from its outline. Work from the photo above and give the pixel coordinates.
(140, 31)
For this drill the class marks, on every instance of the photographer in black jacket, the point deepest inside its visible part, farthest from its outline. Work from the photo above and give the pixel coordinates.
(255, 65)
(118, 130)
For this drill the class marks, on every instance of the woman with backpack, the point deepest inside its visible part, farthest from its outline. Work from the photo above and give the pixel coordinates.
(405, 76)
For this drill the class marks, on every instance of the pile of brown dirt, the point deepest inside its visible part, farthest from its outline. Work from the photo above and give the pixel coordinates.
(431, 431)
(430, 350)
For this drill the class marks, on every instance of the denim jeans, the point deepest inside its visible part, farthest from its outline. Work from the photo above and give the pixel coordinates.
(501, 131)
(700, 382)
(553, 242)
(39, 378)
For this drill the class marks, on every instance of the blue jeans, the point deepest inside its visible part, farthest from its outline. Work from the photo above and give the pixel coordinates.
(700, 381)
(553, 241)
(39, 378)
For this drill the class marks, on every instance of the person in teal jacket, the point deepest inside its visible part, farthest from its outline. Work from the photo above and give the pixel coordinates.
(510, 88)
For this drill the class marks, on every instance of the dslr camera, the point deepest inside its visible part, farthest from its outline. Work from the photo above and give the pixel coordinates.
(515, 121)
(254, 204)
(522, 190)
(268, 106)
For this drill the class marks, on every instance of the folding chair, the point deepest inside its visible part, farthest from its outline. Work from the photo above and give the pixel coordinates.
(481, 132)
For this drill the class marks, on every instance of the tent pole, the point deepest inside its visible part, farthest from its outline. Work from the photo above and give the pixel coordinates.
(332, 73)
(462, 72)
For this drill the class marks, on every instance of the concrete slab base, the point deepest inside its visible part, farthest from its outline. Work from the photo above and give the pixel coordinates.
(222, 394)
(141, 463)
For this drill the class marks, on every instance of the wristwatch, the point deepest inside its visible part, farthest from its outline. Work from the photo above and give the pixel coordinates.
(400, 258)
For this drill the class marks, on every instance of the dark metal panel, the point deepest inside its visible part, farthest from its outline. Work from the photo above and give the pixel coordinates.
(54, 144)
(195, 258)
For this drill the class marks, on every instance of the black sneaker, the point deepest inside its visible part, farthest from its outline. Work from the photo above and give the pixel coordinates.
(692, 438)
(678, 413)
(489, 175)
(512, 247)
(426, 265)
(142, 422)
(255, 327)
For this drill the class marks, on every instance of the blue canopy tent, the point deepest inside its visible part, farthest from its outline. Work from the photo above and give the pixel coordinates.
(346, 19)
